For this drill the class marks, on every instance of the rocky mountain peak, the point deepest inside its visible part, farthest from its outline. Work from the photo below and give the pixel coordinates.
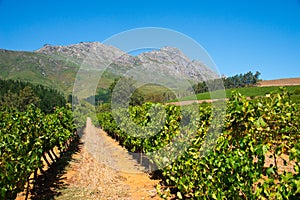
(101, 54)
(81, 48)
(167, 60)
(173, 61)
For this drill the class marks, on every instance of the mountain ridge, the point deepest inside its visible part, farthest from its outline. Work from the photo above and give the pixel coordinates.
(57, 66)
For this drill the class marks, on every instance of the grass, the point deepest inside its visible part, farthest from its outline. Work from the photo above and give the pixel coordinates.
(248, 91)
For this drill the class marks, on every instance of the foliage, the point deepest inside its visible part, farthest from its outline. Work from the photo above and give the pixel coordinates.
(241, 80)
(127, 87)
(18, 94)
(21, 100)
(236, 167)
(102, 96)
(24, 138)
(237, 81)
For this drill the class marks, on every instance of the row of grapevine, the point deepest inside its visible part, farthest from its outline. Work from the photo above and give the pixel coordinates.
(25, 137)
(255, 137)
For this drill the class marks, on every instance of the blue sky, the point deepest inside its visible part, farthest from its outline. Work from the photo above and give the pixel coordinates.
(239, 35)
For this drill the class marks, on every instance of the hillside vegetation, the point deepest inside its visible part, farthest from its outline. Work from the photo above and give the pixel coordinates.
(19, 94)
(100, 64)
(246, 91)
(38, 69)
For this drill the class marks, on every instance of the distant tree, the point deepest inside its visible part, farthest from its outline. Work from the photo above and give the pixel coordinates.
(21, 100)
(256, 77)
(72, 99)
(237, 81)
(10, 91)
(26, 97)
(103, 95)
(126, 92)
(200, 87)
(136, 98)
(112, 86)
(168, 95)
(9, 100)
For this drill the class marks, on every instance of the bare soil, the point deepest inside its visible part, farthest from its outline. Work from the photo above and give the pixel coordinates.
(188, 102)
(280, 82)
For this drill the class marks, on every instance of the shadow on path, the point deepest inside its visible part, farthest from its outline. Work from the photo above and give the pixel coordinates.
(48, 185)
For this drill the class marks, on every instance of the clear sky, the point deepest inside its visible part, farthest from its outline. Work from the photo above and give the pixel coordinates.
(239, 35)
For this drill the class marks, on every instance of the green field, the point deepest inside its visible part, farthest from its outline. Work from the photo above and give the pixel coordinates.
(248, 91)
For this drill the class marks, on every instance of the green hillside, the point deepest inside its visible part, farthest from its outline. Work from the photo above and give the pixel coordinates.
(38, 69)
(247, 91)
(52, 71)
(58, 72)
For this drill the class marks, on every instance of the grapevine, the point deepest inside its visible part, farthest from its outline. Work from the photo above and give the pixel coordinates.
(24, 138)
(236, 168)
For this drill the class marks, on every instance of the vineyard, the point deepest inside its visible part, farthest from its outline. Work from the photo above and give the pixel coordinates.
(253, 153)
(249, 151)
(25, 138)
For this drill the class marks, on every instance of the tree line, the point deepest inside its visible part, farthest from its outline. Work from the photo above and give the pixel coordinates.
(104, 95)
(18, 94)
(237, 81)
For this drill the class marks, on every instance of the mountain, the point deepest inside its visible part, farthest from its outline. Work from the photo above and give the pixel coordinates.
(167, 59)
(173, 60)
(79, 52)
(38, 69)
(57, 66)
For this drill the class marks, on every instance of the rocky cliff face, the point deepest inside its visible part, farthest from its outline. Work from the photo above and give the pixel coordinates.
(167, 60)
(178, 64)
(84, 51)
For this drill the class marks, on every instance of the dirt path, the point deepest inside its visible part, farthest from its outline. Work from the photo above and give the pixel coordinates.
(104, 170)
(94, 167)
(188, 102)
